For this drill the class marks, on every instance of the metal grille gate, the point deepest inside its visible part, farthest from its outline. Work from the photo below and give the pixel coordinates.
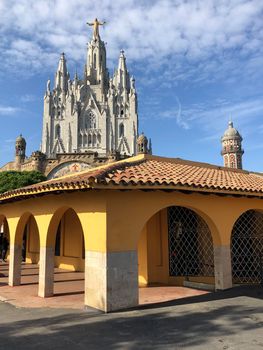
(190, 244)
(247, 248)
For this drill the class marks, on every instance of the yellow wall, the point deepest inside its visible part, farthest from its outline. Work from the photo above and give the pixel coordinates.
(113, 220)
(71, 243)
(32, 243)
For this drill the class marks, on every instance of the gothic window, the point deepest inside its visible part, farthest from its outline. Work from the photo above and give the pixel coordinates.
(85, 140)
(89, 140)
(92, 121)
(94, 60)
(122, 112)
(57, 131)
(94, 140)
(121, 130)
(99, 138)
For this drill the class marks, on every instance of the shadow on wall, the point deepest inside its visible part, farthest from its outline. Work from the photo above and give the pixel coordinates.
(181, 326)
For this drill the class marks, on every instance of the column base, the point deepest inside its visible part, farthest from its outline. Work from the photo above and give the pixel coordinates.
(223, 268)
(111, 280)
(46, 272)
(15, 261)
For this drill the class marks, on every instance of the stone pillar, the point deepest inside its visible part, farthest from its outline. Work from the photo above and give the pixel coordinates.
(111, 280)
(223, 268)
(46, 272)
(15, 259)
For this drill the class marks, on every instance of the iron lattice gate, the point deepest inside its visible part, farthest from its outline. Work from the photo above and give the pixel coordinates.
(190, 244)
(247, 248)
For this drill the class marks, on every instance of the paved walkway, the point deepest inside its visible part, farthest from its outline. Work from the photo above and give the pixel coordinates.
(69, 290)
(230, 320)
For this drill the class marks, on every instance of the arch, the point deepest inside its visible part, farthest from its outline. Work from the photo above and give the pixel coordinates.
(247, 248)
(208, 220)
(85, 140)
(57, 131)
(65, 235)
(27, 237)
(94, 139)
(121, 130)
(176, 245)
(4, 232)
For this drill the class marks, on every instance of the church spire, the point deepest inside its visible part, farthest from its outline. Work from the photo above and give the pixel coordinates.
(122, 78)
(62, 75)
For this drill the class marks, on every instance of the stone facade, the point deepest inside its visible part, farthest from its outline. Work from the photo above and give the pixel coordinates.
(86, 121)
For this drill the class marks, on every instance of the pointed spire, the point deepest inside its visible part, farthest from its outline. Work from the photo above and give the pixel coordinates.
(122, 61)
(76, 78)
(62, 75)
(122, 79)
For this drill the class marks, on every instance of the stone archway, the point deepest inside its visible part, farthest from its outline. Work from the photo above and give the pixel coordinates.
(247, 248)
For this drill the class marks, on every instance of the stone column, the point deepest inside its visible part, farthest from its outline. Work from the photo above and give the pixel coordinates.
(46, 272)
(15, 259)
(223, 268)
(111, 280)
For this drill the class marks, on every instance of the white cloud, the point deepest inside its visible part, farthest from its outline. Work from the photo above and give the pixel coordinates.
(8, 110)
(176, 31)
(211, 118)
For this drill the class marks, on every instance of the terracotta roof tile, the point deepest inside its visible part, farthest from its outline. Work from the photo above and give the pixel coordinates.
(156, 172)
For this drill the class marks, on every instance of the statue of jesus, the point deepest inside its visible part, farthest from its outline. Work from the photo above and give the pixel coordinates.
(96, 25)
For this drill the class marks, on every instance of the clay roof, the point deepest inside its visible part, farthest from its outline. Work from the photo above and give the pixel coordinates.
(150, 172)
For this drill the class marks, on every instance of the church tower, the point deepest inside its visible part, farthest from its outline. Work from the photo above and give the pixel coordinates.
(95, 114)
(232, 147)
(20, 150)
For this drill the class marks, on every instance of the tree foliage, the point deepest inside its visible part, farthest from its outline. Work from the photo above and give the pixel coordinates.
(10, 180)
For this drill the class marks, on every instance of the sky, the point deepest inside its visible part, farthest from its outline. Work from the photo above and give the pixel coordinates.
(197, 64)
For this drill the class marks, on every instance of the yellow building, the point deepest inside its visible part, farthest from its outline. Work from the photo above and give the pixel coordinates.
(139, 221)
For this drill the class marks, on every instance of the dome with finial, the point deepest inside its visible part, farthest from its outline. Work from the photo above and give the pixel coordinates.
(142, 144)
(142, 138)
(231, 132)
(20, 139)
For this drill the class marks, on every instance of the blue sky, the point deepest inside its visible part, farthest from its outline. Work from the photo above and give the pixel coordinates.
(196, 64)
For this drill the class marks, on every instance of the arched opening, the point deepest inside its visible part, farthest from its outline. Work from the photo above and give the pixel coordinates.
(121, 130)
(247, 248)
(30, 242)
(89, 140)
(57, 131)
(66, 236)
(24, 267)
(176, 249)
(4, 250)
(94, 140)
(95, 58)
(85, 140)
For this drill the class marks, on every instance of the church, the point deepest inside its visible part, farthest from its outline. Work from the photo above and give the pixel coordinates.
(87, 121)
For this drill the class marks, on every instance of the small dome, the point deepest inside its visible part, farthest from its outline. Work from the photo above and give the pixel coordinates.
(20, 139)
(142, 138)
(231, 132)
